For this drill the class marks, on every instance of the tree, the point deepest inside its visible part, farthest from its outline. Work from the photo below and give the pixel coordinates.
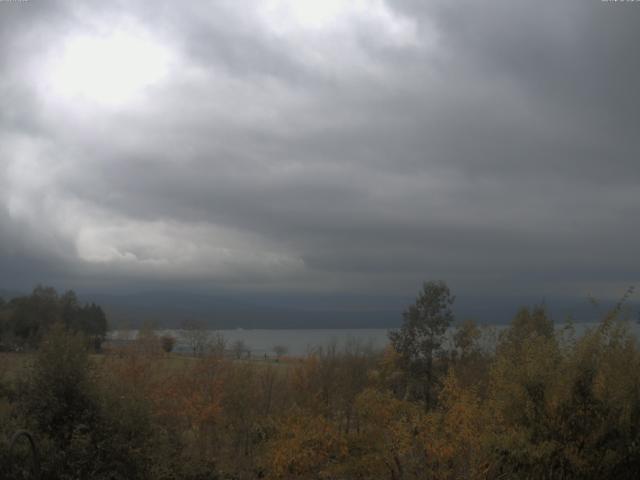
(88, 421)
(33, 315)
(69, 307)
(94, 323)
(147, 341)
(239, 348)
(88, 319)
(466, 337)
(421, 335)
(167, 342)
(305, 446)
(527, 323)
(386, 440)
(58, 402)
(57, 392)
(29, 318)
(196, 335)
(280, 350)
(217, 345)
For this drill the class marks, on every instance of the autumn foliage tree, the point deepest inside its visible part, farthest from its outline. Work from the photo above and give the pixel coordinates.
(536, 402)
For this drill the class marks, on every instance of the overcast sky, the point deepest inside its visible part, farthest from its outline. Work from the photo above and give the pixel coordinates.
(357, 146)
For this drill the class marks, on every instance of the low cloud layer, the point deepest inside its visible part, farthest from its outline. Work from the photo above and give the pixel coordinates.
(341, 146)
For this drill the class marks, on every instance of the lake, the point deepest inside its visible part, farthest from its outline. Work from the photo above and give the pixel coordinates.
(297, 342)
(300, 342)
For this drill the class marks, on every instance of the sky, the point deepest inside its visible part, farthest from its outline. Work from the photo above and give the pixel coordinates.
(320, 148)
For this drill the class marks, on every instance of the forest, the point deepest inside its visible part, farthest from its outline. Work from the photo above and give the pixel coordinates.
(26, 319)
(534, 401)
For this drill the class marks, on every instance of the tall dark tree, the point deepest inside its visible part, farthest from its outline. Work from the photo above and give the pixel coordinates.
(421, 335)
(33, 315)
(84, 428)
(56, 395)
(69, 307)
(26, 320)
(93, 322)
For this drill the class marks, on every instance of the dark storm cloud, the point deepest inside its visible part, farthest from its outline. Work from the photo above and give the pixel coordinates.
(494, 146)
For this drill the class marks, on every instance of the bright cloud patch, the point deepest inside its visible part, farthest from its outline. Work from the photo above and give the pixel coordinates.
(60, 223)
(333, 36)
(178, 249)
(288, 16)
(108, 70)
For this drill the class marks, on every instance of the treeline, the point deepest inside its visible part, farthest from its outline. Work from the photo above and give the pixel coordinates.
(541, 403)
(25, 320)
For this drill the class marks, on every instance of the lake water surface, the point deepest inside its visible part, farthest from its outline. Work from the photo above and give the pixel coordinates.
(300, 342)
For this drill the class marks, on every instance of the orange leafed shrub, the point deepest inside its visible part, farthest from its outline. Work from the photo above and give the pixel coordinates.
(304, 446)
